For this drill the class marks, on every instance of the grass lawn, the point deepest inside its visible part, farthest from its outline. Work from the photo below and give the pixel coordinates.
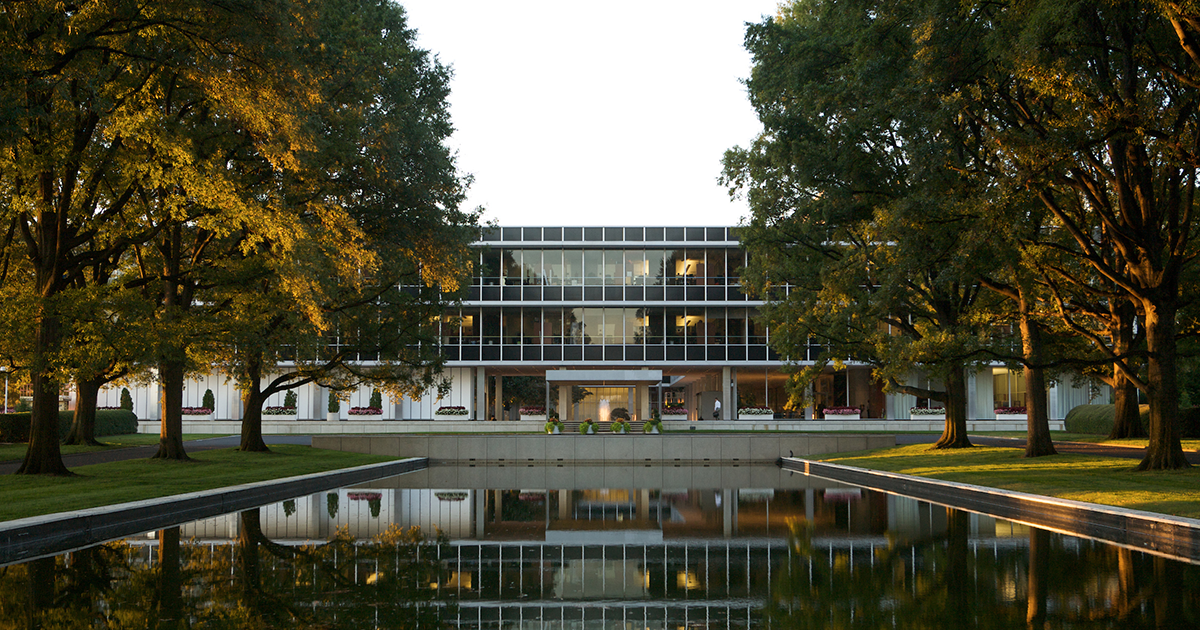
(17, 451)
(133, 480)
(1104, 480)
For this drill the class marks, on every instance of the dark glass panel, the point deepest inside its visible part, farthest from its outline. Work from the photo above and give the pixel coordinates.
(512, 294)
(695, 353)
(634, 353)
(470, 353)
(695, 234)
(512, 234)
(736, 353)
(674, 234)
(633, 234)
(593, 353)
(552, 353)
(714, 294)
(451, 353)
(655, 294)
(613, 234)
(552, 234)
(757, 353)
(593, 234)
(695, 294)
(490, 353)
(531, 353)
(654, 234)
(491, 234)
(593, 294)
(613, 294)
(675, 353)
(491, 294)
(573, 234)
(675, 294)
(552, 294)
(572, 294)
(614, 353)
(572, 353)
(716, 234)
(532, 294)
(655, 353)
(635, 294)
(716, 353)
(489, 267)
(490, 327)
(473, 294)
(512, 353)
(532, 234)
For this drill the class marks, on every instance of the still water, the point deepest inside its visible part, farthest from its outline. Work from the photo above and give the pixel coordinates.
(551, 548)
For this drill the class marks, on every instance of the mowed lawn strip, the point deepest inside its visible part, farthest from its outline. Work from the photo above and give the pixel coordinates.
(1105, 480)
(134, 480)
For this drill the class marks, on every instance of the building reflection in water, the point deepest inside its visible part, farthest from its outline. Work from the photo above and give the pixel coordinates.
(805, 553)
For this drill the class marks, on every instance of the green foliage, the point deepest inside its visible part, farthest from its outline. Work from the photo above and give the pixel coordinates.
(619, 413)
(1096, 419)
(331, 504)
(210, 401)
(289, 399)
(14, 427)
(334, 403)
(376, 399)
(126, 399)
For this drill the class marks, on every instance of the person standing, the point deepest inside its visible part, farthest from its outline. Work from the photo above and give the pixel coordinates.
(717, 409)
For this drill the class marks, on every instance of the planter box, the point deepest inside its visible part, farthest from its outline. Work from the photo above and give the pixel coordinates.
(364, 417)
(450, 416)
(1012, 416)
(843, 416)
(279, 416)
(194, 417)
(332, 416)
(932, 417)
(756, 416)
(674, 417)
(541, 418)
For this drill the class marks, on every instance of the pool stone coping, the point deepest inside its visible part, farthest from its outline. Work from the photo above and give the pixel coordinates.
(1174, 537)
(39, 536)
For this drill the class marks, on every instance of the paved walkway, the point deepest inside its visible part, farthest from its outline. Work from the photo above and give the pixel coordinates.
(145, 452)
(192, 446)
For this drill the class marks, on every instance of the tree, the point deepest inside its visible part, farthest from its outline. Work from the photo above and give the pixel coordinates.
(861, 237)
(95, 138)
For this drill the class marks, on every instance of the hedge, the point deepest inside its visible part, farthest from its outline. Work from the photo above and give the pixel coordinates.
(1098, 420)
(14, 427)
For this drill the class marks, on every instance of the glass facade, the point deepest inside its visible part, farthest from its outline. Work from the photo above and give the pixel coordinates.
(607, 295)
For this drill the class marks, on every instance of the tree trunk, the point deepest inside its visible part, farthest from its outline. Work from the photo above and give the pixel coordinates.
(83, 429)
(44, 457)
(252, 404)
(170, 434)
(170, 577)
(1164, 451)
(1037, 438)
(955, 433)
(1038, 588)
(1127, 417)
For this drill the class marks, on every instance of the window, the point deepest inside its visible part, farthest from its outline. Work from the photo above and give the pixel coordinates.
(1008, 388)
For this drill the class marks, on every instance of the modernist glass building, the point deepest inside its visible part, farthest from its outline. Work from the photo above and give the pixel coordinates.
(637, 317)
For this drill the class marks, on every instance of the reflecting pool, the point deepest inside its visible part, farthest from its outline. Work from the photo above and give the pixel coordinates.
(551, 548)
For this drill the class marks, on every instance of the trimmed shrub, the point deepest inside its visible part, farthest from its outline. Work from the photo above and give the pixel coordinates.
(619, 413)
(210, 401)
(334, 403)
(376, 399)
(14, 427)
(289, 399)
(126, 399)
(1099, 419)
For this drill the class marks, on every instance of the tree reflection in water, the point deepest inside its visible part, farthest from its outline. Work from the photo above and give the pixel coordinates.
(950, 581)
(255, 583)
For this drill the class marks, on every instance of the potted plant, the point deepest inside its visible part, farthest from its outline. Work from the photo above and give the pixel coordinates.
(675, 412)
(619, 426)
(654, 426)
(197, 413)
(332, 409)
(927, 413)
(1010, 413)
(366, 413)
(533, 412)
(841, 413)
(553, 425)
(451, 411)
(588, 427)
(756, 413)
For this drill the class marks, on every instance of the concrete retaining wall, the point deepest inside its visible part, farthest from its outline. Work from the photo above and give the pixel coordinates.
(1171, 536)
(622, 449)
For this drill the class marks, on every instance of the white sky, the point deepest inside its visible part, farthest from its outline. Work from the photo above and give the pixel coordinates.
(600, 113)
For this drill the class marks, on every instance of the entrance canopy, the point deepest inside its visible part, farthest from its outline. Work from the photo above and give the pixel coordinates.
(597, 378)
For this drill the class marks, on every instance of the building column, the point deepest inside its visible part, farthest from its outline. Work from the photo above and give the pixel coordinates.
(728, 404)
(481, 394)
(643, 401)
(564, 403)
(498, 410)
